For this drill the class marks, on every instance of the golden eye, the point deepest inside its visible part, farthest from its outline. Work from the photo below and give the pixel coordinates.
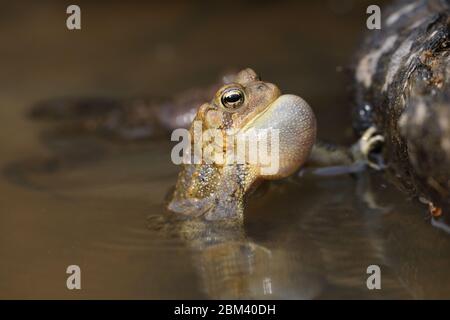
(232, 99)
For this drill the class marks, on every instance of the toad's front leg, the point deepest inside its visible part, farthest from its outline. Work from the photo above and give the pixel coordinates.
(328, 159)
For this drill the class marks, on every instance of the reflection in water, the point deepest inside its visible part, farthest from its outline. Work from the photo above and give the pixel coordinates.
(247, 270)
(231, 266)
(325, 250)
(307, 238)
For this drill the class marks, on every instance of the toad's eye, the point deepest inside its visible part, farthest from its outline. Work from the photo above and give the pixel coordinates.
(232, 99)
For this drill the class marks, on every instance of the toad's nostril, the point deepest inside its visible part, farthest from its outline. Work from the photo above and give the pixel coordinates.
(261, 87)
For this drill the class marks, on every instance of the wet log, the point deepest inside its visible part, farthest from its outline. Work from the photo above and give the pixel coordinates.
(402, 87)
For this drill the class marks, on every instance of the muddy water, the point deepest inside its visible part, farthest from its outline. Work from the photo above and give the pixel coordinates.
(100, 206)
